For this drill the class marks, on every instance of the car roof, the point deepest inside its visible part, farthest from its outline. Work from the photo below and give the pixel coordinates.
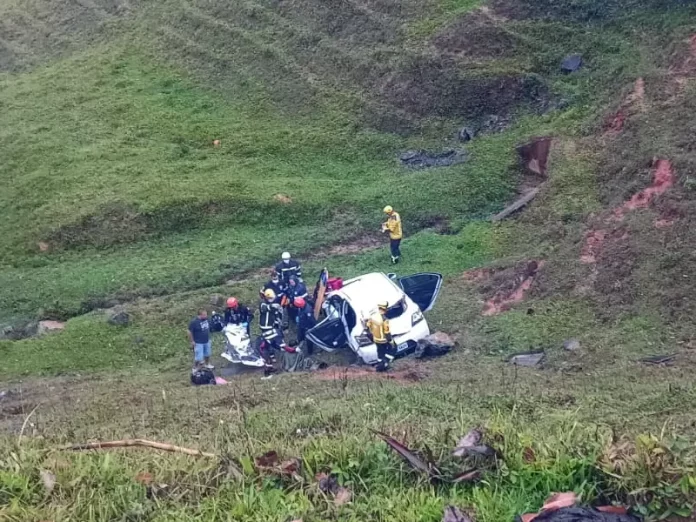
(365, 291)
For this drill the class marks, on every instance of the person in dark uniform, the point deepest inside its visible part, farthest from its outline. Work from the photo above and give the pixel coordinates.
(237, 313)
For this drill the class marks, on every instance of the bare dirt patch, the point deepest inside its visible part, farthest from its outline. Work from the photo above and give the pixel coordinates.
(634, 101)
(504, 287)
(406, 375)
(595, 240)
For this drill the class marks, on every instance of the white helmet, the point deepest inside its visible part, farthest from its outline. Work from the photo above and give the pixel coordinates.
(286, 256)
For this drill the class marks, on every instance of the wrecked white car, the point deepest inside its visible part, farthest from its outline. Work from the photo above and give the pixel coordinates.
(347, 309)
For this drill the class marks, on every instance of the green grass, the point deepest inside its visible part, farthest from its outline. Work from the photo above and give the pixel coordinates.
(108, 158)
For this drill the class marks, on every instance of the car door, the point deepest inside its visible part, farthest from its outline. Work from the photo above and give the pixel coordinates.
(422, 288)
(331, 333)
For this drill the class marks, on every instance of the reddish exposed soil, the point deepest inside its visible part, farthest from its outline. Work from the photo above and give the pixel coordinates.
(512, 292)
(663, 179)
(634, 100)
(406, 375)
(476, 275)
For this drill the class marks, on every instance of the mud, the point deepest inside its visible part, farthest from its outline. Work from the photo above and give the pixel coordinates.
(506, 286)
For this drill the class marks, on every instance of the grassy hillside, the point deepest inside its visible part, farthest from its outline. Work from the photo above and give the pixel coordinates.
(113, 191)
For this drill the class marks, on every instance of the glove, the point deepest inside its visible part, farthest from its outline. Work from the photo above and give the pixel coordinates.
(298, 350)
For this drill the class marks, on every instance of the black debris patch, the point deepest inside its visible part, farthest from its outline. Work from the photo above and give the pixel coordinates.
(422, 159)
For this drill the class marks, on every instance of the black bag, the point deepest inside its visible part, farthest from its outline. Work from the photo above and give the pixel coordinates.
(202, 377)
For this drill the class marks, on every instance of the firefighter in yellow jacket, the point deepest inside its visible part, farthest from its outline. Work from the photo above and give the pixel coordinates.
(379, 332)
(393, 226)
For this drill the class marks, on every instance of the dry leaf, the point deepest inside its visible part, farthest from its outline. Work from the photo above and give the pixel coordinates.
(343, 496)
(48, 479)
(560, 500)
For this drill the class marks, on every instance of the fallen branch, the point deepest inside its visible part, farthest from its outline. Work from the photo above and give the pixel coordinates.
(524, 200)
(129, 443)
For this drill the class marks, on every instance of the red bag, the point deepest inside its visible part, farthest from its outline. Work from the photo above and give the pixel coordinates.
(333, 284)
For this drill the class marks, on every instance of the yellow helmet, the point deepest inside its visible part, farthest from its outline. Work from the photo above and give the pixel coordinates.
(269, 294)
(388, 209)
(383, 305)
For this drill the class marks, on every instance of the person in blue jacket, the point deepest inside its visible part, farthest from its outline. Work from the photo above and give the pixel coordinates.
(199, 337)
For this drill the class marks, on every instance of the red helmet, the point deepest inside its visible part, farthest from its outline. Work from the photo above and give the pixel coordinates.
(299, 302)
(232, 302)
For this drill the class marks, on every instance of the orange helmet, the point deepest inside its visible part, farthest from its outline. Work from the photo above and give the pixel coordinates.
(299, 302)
(232, 302)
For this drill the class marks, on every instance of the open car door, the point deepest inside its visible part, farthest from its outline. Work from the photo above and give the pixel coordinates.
(330, 334)
(422, 288)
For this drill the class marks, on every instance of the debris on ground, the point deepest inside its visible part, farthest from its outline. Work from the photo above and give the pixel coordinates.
(517, 205)
(299, 361)
(421, 159)
(46, 327)
(118, 317)
(270, 463)
(142, 443)
(571, 63)
(511, 288)
(535, 154)
(202, 377)
(423, 464)
(479, 458)
(666, 359)
(282, 198)
(470, 444)
(560, 507)
(328, 484)
(435, 345)
(571, 345)
(454, 514)
(528, 359)
(466, 134)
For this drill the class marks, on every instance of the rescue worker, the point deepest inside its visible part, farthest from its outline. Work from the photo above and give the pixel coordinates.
(270, 323)
(287, 268)
(393, 226)
(276, 285)
(379, 332)
(305, 322)
(295, 289)
(237, 313)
